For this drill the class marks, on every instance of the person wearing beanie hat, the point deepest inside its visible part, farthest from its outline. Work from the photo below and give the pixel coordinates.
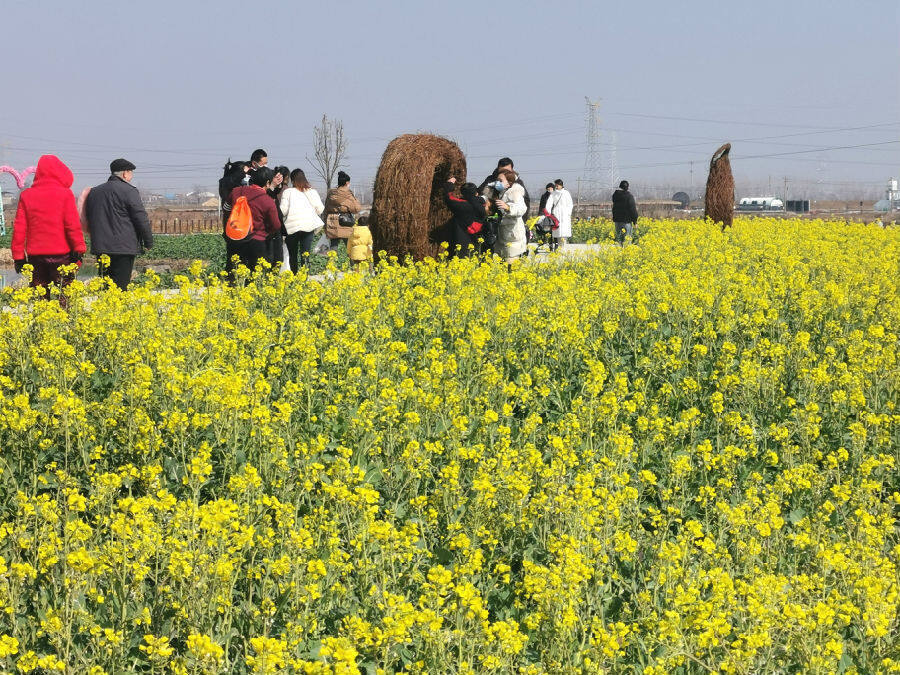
(117, 223)
(341, 200)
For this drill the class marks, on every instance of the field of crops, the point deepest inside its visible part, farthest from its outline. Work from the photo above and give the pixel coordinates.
(678, 457)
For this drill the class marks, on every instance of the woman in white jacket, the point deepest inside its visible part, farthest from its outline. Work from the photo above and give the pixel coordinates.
(301, 207)
(511, 241)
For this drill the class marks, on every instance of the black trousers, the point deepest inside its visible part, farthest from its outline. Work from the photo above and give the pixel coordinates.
(276, 253)
(461, 242)
(299, 246)
(250, 252)
(119, 268)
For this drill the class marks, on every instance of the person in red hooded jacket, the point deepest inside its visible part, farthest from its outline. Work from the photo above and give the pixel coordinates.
(47, 230)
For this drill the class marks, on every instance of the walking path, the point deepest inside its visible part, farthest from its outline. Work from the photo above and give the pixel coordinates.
(8, 277)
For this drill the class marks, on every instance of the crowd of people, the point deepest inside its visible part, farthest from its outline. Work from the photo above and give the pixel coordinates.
(287, 212)
(284, 213)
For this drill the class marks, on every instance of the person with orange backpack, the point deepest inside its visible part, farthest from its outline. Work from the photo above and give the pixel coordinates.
(254, 218)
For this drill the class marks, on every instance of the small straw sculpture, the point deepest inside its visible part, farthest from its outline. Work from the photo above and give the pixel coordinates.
(719, 202)
(409, 216)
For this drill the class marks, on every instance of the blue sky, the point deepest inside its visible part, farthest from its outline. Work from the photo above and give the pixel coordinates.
(177, 87)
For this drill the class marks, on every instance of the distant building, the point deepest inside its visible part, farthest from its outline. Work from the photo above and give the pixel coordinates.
(797, 205)
(891, 199)
(760, 204)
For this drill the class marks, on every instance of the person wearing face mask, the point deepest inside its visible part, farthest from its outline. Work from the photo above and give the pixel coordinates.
(502, 164)
(510, 204)
(266, 221)
(258, 160)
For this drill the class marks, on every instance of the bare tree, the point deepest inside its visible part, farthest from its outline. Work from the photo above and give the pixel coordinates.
(329, 148)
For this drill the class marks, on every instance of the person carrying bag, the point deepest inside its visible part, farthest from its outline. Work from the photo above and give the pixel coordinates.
(301, 207)
(343, 205)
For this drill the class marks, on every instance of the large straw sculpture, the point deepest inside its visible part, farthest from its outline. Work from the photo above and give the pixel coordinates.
(408, 211)
(719, 203)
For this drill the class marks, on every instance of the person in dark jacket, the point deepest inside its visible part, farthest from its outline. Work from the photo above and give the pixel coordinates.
(624, 213)
(259, 158)
(265, 217)
(275, 243)
(47, 230)
(468, 217)
(502, 164)
(548, 192)
(232, 176)
(117, 223)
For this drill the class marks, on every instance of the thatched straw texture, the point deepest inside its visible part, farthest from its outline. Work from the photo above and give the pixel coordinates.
(719, 203)
(409, 216)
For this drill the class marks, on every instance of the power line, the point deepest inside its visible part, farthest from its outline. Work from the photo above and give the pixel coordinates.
(736, 122)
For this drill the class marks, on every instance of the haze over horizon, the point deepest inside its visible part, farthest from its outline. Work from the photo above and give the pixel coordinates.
(805, 91)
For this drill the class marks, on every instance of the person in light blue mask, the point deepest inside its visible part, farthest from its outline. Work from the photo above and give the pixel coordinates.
(503, 163)
(509, 203)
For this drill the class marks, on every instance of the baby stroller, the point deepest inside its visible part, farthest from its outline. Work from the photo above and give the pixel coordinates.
(543, 233)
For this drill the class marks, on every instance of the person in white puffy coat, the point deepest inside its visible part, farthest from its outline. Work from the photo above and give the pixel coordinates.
(511, 240)
(561, 206)
(301, 207)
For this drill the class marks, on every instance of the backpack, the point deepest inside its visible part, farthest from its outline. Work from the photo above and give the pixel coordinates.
(488, 233)
(240, 222)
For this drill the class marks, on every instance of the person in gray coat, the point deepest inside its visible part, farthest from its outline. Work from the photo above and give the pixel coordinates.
(117, 223)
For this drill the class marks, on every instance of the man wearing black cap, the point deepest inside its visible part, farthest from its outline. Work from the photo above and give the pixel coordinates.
(117, 223)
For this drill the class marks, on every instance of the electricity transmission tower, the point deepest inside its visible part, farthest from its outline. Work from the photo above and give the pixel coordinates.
(613, 164)
(593, 155)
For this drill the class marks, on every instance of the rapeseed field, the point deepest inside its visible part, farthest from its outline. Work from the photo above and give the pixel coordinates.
(680, 456)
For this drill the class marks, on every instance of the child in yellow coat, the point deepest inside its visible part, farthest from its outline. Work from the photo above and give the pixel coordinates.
(359, 245)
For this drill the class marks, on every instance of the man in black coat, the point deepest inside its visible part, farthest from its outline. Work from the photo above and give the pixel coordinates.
(506, 163)
(258, 159)
(117, 223)
(624, 213)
